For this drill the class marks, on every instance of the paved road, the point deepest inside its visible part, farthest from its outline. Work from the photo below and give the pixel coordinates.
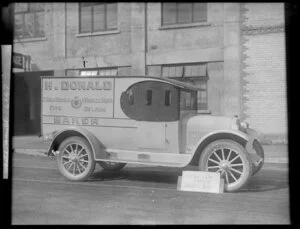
(141, 195)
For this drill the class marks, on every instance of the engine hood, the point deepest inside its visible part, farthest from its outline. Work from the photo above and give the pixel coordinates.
(196, 126)
(206, 123)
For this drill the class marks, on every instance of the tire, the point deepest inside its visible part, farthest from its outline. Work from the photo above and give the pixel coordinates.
(111, 166)
(75, 159)
(230, 159)
(260, 152)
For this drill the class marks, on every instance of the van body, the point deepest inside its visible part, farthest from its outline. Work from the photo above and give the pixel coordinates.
(143, 120)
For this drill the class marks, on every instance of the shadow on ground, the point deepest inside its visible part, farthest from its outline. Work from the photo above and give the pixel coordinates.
(265, 180)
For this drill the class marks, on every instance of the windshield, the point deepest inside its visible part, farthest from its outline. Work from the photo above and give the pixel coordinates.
(188, 100)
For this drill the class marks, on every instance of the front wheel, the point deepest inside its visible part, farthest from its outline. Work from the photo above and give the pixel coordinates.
(230, 159)
(75, 159)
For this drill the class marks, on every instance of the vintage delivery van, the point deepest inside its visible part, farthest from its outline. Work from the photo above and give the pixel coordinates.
(146, 120)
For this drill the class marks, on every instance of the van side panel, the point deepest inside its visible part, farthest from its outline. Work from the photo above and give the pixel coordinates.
(113, 133)
(93, 103)
(87, 103)
(172, 137)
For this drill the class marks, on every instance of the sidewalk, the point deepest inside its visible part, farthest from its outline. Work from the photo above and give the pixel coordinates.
(276, 153)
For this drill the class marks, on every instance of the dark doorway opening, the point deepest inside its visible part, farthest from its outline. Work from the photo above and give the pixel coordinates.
(26, 91)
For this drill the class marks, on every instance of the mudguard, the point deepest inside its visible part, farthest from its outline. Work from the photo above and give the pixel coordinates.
(247, 138)
(99, 149)
(255, 134)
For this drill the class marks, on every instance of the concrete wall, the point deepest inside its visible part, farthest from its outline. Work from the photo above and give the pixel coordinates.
(201, 43)
(41, 50)
(263, 68)
(231, 52)
(215, 42)
(106, 49)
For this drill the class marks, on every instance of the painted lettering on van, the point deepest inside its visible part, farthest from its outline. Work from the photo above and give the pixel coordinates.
(75, 121)
(80, 85)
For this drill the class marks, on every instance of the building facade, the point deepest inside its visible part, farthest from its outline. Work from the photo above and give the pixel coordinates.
(233, 52)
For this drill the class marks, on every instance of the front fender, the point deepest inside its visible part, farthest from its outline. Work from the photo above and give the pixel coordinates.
(98, 148)
(255, 134)
(235, 135)
(218, 135)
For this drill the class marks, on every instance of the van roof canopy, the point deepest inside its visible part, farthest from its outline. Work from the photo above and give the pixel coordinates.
(173, 82)
(147, 78)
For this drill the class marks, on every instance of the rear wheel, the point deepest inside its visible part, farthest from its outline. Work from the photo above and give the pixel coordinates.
(111, 166)
(230, 159)
(75, 159)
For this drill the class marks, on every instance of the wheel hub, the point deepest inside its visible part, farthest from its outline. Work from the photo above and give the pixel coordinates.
(74, 157)
(225, 165)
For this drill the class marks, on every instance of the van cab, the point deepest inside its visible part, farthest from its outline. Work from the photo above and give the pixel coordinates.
(143, 120)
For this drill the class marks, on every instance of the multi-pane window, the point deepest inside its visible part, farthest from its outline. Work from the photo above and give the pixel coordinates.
(149, 97)
(130, 97)
(167, 97)
(188, 100)
(99, 72)
(182, 13)
(194, 74)
(95, 17)
(29, 20)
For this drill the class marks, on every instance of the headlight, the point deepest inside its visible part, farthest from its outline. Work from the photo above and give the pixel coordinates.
(243, 126)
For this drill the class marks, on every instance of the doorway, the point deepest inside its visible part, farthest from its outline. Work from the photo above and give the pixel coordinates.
(26, 89)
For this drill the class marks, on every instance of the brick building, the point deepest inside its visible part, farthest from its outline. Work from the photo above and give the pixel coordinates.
(234, 53)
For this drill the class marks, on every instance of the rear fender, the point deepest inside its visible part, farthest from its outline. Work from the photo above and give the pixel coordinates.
(99, 150)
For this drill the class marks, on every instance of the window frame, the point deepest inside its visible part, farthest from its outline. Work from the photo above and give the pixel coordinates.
(185, 78)
(168, 98)
(156, 111)
(130, 97)
(29, 11)
(92, 19)
(190, 104)
(149, 94)
(176, 16)
(99, 71)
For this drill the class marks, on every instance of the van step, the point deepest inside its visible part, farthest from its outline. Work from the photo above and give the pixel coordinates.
(163, 159)
(146, 162)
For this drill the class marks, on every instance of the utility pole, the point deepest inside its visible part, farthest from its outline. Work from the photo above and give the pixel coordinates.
(84, 61)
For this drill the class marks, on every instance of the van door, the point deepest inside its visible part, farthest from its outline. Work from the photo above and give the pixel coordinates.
(151, 136)
(153, 105)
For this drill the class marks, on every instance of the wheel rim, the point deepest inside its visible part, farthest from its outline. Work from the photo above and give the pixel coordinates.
(75, 159)
(229, 163)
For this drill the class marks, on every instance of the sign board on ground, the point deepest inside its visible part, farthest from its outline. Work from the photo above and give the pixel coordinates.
(200, 181)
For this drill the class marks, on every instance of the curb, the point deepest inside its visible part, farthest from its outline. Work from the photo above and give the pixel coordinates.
(280, 160)
(43, 152)
(34, 152)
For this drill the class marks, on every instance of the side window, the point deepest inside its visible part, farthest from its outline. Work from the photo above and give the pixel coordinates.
(149, 97)
(167, 98)
(130, 97)
(96, 17)
(174, 13)
(188, 100)
(151, 101)
(29, 20)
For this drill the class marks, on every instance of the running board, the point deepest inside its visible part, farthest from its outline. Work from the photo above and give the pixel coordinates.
(147, 158)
